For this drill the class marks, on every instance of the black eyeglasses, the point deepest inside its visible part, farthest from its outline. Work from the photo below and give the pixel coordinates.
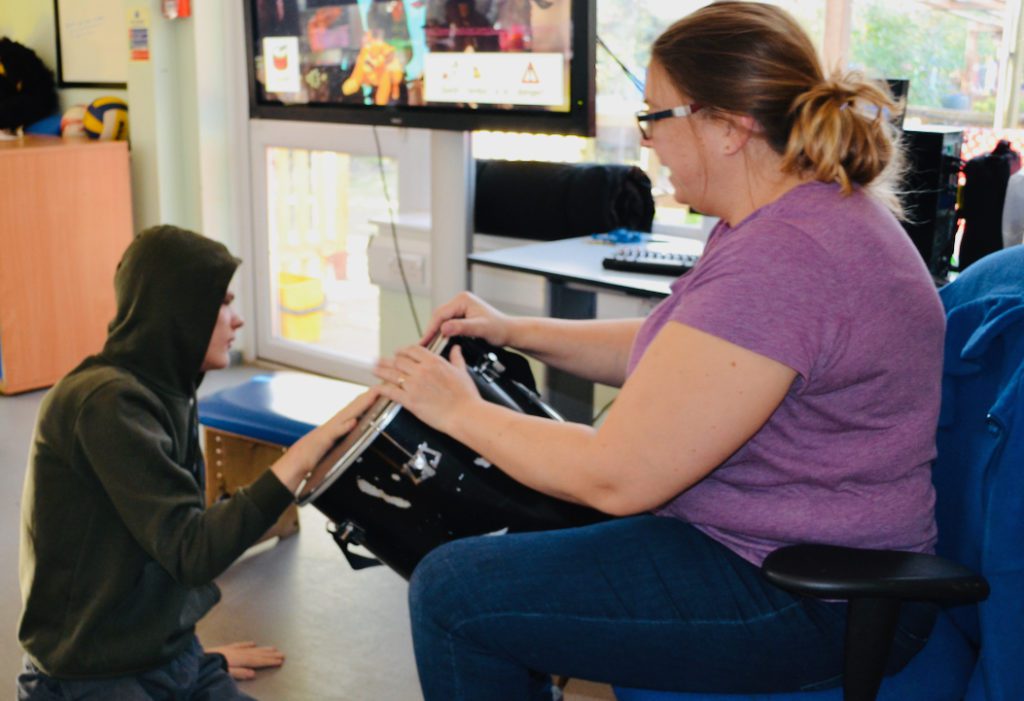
(644, 119)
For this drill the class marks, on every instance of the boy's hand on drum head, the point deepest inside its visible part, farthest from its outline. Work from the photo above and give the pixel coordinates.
(343, 422)
(429, 386)
(302, 457)
(468, 315)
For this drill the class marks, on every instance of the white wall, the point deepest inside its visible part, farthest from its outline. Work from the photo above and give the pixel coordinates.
(187, 113)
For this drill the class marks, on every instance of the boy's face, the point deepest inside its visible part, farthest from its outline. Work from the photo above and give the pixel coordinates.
(228, 322)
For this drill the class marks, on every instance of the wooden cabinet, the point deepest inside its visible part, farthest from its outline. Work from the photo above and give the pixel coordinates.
(65, 220)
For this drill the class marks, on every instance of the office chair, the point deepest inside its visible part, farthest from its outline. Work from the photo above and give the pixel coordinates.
(976, 649)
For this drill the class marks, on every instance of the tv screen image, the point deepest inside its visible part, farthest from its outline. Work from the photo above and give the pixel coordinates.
(448, 64)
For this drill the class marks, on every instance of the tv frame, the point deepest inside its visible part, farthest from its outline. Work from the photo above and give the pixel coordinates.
(579, 120)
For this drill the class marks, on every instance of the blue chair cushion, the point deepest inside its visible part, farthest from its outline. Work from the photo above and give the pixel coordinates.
(938, 673)
(278, 408)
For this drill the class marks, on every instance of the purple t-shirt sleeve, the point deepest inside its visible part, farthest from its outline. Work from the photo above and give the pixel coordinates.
(769, 293)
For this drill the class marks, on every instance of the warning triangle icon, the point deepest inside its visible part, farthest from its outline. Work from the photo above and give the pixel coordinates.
(531, 75)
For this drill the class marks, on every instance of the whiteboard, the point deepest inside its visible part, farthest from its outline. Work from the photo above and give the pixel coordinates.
(92, 43)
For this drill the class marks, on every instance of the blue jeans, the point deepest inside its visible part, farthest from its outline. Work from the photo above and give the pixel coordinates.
(645, 601)
(191, 676)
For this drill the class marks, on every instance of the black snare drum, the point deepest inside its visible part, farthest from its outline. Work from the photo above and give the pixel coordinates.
(399, 488)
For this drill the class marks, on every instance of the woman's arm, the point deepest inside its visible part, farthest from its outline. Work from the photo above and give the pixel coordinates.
(693, 400)
(594, 350)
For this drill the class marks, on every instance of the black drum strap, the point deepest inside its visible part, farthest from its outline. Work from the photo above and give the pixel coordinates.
(346, 534)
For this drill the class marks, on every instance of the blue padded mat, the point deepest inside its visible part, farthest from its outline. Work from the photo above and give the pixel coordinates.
(278, 408)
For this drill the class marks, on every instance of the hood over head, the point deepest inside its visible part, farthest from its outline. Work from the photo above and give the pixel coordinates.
(169, 285)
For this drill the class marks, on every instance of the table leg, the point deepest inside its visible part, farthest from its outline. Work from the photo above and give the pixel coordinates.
(569, 395)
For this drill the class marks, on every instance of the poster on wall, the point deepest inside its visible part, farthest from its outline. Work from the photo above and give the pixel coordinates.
(138, 34)
(91, 43)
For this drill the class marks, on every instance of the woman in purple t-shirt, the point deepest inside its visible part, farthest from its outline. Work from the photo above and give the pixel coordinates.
(787, 391)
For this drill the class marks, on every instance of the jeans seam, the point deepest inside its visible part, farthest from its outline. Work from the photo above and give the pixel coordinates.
(595, 619)
(451, 656)
(913, 636)
(820, 685)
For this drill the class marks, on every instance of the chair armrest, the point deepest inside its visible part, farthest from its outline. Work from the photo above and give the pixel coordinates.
(835, 572)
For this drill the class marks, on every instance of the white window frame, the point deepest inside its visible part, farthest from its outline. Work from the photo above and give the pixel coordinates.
(410, 147)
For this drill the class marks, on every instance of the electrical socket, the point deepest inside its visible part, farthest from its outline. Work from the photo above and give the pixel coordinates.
(413, 264)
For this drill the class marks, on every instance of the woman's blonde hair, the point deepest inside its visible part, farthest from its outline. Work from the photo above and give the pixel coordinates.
(754, 59)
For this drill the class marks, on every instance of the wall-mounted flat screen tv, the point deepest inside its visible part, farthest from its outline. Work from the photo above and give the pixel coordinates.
(523, 65)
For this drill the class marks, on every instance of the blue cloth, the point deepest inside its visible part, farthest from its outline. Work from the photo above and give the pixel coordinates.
(193, 675)
(47, 126)
(979, 475)
(641, 601)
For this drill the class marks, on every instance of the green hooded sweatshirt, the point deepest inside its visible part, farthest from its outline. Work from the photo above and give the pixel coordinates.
(118, 553)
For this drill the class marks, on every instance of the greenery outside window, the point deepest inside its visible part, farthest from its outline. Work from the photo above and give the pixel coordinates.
(962, 58)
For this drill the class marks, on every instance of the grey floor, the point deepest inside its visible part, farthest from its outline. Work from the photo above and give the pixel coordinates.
(345, 634)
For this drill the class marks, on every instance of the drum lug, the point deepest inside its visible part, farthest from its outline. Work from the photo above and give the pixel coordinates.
(423, 464)
(346, 535)
(490, 367)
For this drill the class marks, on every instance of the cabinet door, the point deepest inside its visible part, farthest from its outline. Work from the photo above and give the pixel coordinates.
(65, 220)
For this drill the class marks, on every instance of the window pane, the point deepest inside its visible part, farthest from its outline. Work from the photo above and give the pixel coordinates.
(319, 206)
(810, 14)
(981, 141)
(950, 56)
(628, 29)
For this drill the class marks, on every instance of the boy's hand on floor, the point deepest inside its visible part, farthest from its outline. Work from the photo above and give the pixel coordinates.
(244, 658)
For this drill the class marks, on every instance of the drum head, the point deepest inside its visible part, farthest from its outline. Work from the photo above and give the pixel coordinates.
(348, 449)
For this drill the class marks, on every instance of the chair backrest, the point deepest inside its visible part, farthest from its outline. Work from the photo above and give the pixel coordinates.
(979, 472)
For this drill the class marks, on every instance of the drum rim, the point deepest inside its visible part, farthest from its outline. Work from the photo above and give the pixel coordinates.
(374, 429)
(388, 412)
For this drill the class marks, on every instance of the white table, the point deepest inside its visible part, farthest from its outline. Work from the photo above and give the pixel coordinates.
(572, 269)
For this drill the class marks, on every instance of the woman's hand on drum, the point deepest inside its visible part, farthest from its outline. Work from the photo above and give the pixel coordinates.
(303, 456)
(435, 390)
(468, 315)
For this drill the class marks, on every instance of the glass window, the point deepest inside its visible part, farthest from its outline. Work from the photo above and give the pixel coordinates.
(319, 207)
(949, 51)
(628, 29)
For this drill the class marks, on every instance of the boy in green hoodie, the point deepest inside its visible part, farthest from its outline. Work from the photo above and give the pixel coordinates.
(118, 552)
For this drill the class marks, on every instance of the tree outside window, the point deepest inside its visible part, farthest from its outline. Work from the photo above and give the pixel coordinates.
(950, 51)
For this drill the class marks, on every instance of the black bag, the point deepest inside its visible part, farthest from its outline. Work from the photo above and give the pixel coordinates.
(548, 201)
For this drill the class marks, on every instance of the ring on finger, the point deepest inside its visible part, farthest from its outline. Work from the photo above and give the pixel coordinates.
(401, 381)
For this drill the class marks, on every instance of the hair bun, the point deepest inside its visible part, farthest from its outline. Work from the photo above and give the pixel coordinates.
(841, 132)
(851, 91)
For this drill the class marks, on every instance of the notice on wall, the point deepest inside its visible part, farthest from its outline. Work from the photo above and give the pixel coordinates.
(138, 34)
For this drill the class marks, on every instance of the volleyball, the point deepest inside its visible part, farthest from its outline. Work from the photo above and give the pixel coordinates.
(106, 119)
(71, 123)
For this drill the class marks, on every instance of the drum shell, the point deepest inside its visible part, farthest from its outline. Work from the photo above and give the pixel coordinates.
(400, 520)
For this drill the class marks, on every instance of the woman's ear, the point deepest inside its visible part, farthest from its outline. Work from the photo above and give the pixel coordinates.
(736, 132)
